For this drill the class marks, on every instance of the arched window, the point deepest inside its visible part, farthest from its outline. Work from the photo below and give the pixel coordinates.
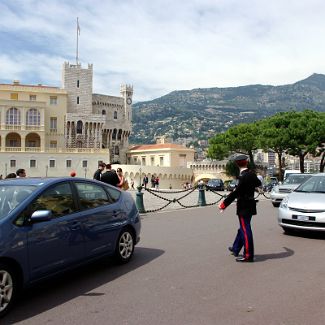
(103, 112)
(33, 117)
(13, 116)
(119, 135)
(114, 134)
(79, 127)
(115, 115)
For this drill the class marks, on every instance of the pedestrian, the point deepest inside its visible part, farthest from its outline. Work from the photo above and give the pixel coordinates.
(153, 181)
(145, 181)
(132, 184)
(21, 173)
(246, 208)
(260, 177)
(157, 183)
(98, 172)
(119, 172)
(110, 176)
(11, 175)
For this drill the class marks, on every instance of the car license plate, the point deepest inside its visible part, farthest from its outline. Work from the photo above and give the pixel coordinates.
(302, 218)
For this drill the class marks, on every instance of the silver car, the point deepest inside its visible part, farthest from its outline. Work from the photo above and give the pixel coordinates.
(304, 208)
(279, 192)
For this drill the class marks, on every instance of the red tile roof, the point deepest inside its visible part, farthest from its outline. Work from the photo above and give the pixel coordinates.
(158, 146)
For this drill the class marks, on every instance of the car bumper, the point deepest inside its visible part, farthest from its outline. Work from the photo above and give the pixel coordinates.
(277, 197)
(300, 220)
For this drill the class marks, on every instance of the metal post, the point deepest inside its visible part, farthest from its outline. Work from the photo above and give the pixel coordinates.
(46, 170)
(201, 201)
(139, 200)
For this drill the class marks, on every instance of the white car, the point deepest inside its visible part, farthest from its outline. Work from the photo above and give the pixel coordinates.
(304, 208)
(279, 192)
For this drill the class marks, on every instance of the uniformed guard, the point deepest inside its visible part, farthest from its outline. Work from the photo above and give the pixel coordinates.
(246, 208)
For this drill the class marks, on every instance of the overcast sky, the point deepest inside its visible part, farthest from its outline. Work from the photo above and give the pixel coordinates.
(163, 45)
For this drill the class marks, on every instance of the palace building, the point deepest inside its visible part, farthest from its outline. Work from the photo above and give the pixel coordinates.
(50, 131)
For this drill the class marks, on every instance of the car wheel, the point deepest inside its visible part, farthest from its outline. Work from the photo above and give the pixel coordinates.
(124, 246)
(8, 288)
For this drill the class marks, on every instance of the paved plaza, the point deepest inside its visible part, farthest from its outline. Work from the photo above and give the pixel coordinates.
(183, 274)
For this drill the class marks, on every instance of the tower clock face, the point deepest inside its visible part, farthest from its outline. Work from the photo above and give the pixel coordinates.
(129, 101)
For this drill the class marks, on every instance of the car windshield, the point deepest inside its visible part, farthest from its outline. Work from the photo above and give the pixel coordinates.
(296, 179)
(315, 184)
(13, 195)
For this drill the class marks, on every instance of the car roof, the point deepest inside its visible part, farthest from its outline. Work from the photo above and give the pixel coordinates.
(37, 181)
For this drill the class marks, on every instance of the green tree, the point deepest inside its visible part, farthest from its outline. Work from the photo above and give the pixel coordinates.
(306, 133)
(217, 147)
(274, 136)
(242, 138)
(232, 169)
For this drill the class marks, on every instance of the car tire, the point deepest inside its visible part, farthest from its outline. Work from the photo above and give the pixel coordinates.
(124, 246)
(8, 288)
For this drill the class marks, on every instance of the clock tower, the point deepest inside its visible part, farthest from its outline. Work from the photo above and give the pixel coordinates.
(126, 92)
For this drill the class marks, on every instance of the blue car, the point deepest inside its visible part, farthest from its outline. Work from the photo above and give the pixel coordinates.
(49, 225)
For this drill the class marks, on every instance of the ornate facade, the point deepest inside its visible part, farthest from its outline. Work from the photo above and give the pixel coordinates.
(50, 130)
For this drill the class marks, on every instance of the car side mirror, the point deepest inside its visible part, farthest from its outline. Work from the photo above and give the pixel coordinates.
(41, 215)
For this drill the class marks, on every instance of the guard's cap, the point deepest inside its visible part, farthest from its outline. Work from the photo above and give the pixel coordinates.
(239, 157)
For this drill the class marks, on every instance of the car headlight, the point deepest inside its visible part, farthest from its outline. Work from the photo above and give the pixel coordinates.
(275, 189)
(284, 203)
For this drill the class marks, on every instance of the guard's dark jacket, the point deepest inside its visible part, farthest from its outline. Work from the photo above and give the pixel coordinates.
(244, 192)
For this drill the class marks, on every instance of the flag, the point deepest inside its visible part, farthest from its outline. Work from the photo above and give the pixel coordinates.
(78, 27)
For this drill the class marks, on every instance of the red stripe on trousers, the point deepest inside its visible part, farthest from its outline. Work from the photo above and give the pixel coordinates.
(245, 236)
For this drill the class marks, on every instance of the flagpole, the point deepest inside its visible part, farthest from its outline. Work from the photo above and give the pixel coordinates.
(77, 41)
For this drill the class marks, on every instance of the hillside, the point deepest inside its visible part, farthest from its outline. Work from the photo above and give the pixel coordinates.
(200, 113)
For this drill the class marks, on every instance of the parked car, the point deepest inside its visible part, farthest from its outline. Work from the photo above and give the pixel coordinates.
(50, 225)
(288, 172)
(215, 184)
(279, 192)
(232, 185)
(268, 186)
(304, 208)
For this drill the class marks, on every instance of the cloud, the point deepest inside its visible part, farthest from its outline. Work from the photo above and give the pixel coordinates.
(160, 46)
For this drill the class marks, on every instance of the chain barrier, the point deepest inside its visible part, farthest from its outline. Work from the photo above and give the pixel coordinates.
(157, 193)
(174, 200)
(177, 200)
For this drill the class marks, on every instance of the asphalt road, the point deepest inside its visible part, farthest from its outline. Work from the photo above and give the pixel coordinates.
(182, 273)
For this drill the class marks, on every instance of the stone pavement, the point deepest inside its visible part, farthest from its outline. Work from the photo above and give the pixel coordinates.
(153, 202)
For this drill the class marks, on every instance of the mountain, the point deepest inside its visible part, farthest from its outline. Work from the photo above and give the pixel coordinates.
(200, 113)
